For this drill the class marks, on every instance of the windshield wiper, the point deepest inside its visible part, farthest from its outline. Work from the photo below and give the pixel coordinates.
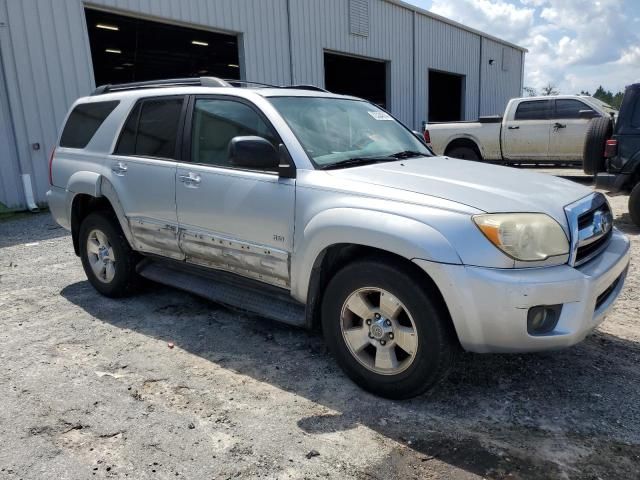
(352, 162)
(407, 154)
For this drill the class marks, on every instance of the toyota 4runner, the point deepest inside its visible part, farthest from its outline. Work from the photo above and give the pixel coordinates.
(318, 209)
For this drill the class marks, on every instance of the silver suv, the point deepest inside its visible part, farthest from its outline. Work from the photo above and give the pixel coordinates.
(318, 209)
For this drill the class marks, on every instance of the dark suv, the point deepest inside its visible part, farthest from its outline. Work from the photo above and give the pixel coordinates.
(618, 169)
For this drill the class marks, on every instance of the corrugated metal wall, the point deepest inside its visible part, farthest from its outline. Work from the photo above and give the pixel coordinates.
(47, 65)
(317, 26)
(443, 47)
(501, 80)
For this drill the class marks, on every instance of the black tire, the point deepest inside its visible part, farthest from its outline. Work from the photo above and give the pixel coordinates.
(598, 132)
(634, 205)
(436, 346)
(125, 278)
(464, 153)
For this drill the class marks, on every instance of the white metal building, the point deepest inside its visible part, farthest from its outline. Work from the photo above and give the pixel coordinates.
(418, 65)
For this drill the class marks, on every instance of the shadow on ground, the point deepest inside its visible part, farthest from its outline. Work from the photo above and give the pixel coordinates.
(498, 416)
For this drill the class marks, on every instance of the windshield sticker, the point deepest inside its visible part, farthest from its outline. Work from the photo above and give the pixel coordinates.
(381, 115)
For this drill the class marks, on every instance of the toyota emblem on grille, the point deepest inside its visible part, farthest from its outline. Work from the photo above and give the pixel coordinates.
(602, 222)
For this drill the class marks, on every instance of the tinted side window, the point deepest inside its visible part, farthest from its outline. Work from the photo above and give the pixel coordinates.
(635, 116)
(533, 110)
(152, 129)
(570, 108)
(216, 122)
(84, 122)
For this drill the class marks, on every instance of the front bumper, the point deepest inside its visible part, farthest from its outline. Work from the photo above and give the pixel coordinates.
(489, 306)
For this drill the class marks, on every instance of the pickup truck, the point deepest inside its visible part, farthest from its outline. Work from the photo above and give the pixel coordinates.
(533, 129)
(322, 211)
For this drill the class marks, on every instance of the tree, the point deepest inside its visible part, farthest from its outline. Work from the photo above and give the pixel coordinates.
(549, 90)
(615, 100)
(529, 91)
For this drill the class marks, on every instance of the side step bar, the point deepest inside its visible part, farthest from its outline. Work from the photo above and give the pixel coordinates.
(227, 289)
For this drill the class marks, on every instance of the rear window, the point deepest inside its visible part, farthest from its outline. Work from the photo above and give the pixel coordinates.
(533, 110)
(84, 122)
(152, 129)
(635, 116)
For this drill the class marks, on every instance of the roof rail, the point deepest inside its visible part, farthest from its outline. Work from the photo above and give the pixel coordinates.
(196, 81)
(307, 87)
(171, 82)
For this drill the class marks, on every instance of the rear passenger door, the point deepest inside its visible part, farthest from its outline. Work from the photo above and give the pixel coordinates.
(568, 129)
(142, 170)
(526, 135)
(231, 218)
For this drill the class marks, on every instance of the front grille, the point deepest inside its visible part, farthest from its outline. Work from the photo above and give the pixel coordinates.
(587, 252)
(591, 224)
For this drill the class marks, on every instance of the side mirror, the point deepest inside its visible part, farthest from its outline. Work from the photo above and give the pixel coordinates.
(588, 114)
(254, 153)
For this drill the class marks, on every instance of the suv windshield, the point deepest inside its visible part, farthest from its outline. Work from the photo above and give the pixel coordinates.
(605, 106)
(338, 132)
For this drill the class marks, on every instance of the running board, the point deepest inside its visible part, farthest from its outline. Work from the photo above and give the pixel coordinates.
(227, 289)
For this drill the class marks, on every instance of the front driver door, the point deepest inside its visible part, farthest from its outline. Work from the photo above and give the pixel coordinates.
(233, 219)
(526, 135)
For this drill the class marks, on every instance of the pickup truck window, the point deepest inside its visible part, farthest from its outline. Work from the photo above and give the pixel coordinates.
(84, 122)
(151, 129)
(335, 130)
(533, 110)
(568, 109)
(216, 122)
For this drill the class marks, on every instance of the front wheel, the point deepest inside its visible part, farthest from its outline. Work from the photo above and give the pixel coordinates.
(386, 330)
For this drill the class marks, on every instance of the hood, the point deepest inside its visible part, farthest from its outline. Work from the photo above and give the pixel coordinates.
(491, 188)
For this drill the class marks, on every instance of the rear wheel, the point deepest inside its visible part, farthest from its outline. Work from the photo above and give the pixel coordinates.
(634, 204)
(465, 153)
(388, 333)
(107, 258)
(598, 132)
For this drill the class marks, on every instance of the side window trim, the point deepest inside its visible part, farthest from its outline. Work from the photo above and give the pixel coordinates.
(181, 122)
(188, 130)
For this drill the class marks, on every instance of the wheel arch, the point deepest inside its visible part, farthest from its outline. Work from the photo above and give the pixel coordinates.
(90, 197)
(466, 142)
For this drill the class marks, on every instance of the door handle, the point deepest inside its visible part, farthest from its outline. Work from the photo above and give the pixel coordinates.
(119, 169)
(517, 127)
(190, 180)
(557, 126)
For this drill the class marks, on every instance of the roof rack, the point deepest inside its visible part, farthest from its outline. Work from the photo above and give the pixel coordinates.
(171, 82)
(196, 81)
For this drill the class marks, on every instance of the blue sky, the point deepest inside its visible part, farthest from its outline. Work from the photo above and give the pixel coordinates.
(574, 44)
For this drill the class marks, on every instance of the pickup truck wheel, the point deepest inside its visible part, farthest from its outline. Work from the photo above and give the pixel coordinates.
(465, 153)
(598, 132)
(634, 205)
(385, 330)
(107, 258)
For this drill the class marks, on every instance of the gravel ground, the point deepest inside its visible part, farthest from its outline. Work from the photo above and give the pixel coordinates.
(91, 388)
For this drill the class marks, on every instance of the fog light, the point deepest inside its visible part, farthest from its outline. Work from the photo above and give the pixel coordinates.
(543, 319)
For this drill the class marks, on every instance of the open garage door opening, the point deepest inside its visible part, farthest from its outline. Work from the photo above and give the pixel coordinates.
(356, 76)
(446, 97)
(127, 49)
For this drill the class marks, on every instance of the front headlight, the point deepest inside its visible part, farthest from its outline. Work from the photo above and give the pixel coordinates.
(528, 237)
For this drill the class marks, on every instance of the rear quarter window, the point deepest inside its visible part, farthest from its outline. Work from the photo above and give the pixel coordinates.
(635, 115)
(84, 121)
